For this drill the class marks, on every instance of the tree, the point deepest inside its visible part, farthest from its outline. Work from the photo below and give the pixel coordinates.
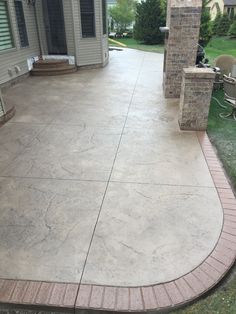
(232, 30)
(123, 14)
(205, 29)
(150, 15)
(216, 22)
(223, 26)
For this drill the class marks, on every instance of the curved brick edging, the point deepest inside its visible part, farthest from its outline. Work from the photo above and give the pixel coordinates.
(141, 299)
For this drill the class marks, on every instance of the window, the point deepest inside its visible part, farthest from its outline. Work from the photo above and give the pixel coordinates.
(6, 40)
(104, 16)
(20, 18)
(87, 18)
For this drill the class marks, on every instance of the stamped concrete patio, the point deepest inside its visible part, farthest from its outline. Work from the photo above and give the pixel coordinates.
(98, 184)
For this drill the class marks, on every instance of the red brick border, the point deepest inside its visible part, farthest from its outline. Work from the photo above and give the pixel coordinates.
(149, 298)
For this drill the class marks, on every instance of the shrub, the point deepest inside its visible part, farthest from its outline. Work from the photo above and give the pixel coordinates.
(205, 29)
(216, 23)
(232, 30)
(150, 15)
(223, 26)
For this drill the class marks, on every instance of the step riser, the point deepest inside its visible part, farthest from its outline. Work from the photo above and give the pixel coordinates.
(53, 72)
(50, 65)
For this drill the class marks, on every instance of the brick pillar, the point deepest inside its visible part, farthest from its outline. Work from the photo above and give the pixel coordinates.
(183, 20)
(195, 98)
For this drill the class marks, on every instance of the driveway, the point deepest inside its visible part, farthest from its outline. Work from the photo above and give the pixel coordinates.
(98, 184)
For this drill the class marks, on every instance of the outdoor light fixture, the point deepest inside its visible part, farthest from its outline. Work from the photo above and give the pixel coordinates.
(164, 29)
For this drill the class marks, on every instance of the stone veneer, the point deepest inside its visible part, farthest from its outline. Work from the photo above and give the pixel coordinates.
(196, 90)
(183, 20)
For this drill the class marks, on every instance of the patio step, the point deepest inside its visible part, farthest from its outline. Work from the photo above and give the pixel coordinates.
(40, 64)
(52, 67)
(54, 71)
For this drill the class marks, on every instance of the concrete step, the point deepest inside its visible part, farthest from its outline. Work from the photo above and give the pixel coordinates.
(41, 64)
(52, 71)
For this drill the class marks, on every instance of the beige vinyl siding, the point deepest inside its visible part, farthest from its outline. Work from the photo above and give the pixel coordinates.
(41, 27)
(105, 49)
(89, 50)
(17, 56)
(69, 27)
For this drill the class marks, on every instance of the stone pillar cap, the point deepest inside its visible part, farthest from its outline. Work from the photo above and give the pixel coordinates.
(204, 73)
(186, 3)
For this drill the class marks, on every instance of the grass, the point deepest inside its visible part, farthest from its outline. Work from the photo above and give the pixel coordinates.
(219, 46)
(134, 44)
(223, 135)
(221, 302)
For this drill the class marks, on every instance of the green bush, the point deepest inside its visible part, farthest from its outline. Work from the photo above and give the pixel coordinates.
(232, 30)
(150, 15)
(205, 29)
(215, 23)
(223, 26)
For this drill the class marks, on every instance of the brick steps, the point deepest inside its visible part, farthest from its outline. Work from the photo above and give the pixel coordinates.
(52, 68)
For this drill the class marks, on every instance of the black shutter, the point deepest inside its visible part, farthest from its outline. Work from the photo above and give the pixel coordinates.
(104, 16)
(87, 18)
(6, 41)
(21, 24)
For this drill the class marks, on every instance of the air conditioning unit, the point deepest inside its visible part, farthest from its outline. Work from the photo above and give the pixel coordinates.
(2, 109)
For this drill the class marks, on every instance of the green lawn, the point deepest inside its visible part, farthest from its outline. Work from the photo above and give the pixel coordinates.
(220, 302)
(219, 46)
(223, 135)
(134, 44)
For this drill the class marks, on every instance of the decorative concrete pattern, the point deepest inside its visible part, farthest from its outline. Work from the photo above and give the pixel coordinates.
(67, 297)
(189, 286)
(56, 219)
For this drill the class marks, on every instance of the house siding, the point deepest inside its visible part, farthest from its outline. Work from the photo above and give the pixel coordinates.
(90, 51)
(87, 51)
(69, 27)
(17, 56)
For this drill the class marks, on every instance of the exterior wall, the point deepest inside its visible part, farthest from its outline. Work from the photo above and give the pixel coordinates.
(214, 6)
(231, 7)
(69, 27)
(90, 51)
(183, 18)
(87, 51)
(17, 56)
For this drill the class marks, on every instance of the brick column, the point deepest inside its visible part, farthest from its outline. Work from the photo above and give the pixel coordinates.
(196, 90)
(183, 20)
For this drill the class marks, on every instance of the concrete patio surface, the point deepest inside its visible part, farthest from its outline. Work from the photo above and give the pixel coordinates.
(98, 184)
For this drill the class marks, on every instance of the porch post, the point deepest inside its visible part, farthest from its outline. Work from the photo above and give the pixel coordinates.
(183, 21)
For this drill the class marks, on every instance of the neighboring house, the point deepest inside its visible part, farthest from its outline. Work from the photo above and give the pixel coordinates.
(230, 7)
(73, 29)
(215, 6)
(222, 6)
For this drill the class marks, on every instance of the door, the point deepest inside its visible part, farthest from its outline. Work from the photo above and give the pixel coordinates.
(55, 26)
